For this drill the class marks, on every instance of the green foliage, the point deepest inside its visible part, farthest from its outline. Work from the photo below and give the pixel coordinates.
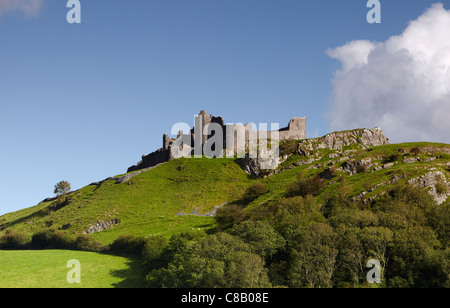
(129, 244)
(291, 215)
(61, 190)
(254, 191)
(260, 235)
(306, 186)
(216, 261)
(153, 251)
(50, 239)
(87, 243)
(229, 215)
(440, 221)
(13, 240)
(313, 257)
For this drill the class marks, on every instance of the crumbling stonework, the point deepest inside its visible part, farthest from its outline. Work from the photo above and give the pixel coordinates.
(232, 134)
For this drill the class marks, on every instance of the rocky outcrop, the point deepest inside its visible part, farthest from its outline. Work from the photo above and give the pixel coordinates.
(435, 183)
(365, 138)
(362, 138)
(101, 226)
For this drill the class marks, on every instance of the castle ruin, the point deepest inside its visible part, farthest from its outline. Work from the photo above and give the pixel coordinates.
(211, 127)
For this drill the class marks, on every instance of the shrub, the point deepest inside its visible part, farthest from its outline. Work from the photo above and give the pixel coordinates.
(229, 215)
(393, 158)
(215, 261)
(361, 169)
(49, 239)
(441, 187)
(261, 236)
(153, 251)
(128, 244)
(254, 191)
(415, 151)
(288, 147)
(13, 240)
(303, 187)
(87, 243)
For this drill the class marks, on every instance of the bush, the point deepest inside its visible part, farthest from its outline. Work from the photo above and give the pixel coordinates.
(261, 236)
(86, 243)
(288, 147)
(49, 239)
(215, 261)
(153, 251)
(128, 244)
(13, 240)
(229, 215)
(303, 187)
(361, 169)
(415, 151)
(441, 187)
(254, 191)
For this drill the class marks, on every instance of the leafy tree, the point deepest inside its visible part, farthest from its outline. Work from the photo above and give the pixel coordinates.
(215, 261)
(290, 215)
(261, 237)
(313, 259)
(440, 221)
(61, 190)
(350, 259)
(153, 251)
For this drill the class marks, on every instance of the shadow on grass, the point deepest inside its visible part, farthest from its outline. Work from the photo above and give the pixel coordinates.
(133, 276)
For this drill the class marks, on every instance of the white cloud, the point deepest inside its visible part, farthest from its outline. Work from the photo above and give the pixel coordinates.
(28, 7)
(401, 85)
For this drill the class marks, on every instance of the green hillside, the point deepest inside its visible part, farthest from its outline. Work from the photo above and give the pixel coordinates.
(312, 222)
(149, 202)
(146, 204)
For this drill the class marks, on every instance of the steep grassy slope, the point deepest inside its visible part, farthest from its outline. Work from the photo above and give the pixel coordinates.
(367, 173)
(146, 204)
(149, 202)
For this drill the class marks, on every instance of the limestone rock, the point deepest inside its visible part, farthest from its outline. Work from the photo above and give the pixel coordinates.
(336, 141)
(430, 181)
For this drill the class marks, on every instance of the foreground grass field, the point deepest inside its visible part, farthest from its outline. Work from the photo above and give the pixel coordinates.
(48, 269)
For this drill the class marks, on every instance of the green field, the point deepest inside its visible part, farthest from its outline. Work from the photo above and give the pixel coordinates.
(48, 269)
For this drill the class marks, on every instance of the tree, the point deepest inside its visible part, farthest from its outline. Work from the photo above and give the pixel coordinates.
(61, 190)
(313, 258)
(215, 261)
(262, 238)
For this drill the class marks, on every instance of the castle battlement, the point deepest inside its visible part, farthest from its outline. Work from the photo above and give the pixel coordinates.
(207, 126)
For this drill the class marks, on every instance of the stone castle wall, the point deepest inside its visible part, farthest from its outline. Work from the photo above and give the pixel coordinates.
(296, 129)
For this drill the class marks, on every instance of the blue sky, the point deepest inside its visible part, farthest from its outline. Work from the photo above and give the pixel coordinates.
(81, 102)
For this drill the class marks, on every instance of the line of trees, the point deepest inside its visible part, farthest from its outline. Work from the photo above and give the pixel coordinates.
(300, 241)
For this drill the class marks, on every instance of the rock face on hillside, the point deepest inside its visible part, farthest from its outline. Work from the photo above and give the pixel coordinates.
(358, 138)
(336, 141)
(436, 184)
